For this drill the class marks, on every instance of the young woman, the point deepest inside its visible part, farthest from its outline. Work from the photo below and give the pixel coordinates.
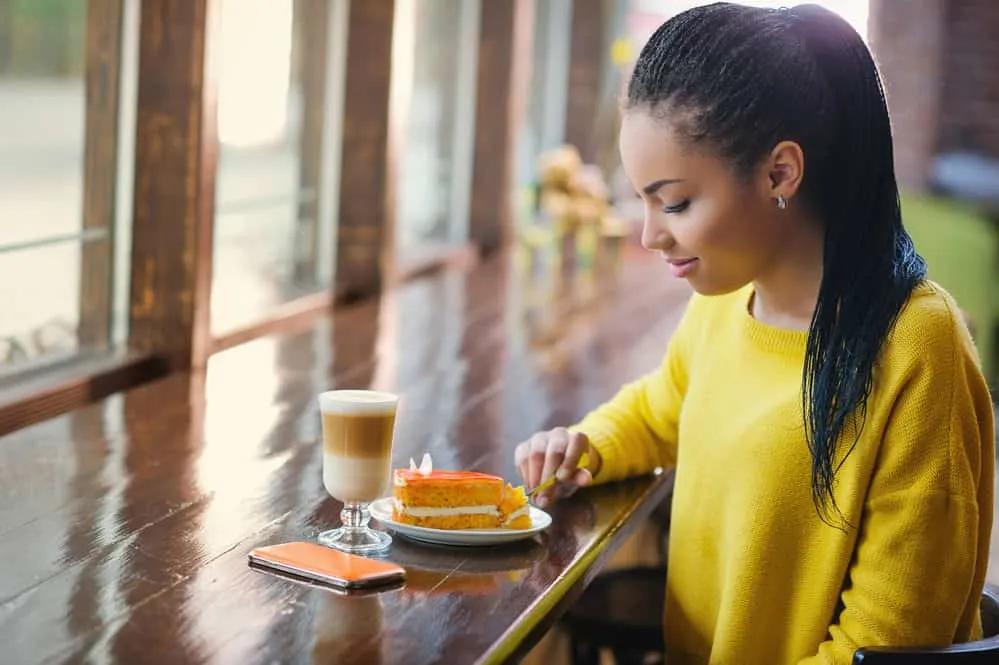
(821, 400)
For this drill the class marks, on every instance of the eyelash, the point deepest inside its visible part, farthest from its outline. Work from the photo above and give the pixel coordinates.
(678, 208)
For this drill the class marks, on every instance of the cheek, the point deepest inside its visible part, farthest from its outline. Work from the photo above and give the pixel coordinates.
(741, 235)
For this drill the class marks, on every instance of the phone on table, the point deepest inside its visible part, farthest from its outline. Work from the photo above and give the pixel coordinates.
(328, 567)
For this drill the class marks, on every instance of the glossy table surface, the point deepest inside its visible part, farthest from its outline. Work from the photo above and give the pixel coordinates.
(126, 525)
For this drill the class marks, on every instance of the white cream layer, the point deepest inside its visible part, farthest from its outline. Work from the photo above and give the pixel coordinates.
(355, 478)
(518, 513)
(419, 511)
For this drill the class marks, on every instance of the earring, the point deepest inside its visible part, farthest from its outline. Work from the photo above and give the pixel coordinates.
(781, 202)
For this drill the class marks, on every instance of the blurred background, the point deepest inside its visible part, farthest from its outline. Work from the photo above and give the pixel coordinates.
(70, 72)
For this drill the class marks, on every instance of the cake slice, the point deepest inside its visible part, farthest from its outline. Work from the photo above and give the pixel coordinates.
(456, 499)
(513, 508)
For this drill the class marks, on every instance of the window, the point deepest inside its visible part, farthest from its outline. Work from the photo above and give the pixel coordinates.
(274, 219)
(544, 126)
(435, 176)
(61, 295)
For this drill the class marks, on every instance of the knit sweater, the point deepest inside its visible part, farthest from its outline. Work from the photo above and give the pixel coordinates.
(755, 577)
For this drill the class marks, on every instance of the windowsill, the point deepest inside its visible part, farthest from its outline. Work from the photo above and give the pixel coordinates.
(45, 392)
(428, 258)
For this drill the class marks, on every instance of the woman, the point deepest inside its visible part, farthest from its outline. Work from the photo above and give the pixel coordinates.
(821, 400)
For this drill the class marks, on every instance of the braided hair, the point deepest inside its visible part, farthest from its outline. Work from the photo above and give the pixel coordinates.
(738, 80)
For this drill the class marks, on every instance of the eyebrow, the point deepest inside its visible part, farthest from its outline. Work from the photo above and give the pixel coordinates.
(654, 187)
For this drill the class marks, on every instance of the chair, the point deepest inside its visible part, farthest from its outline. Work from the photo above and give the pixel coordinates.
(622, 610)
(982, 652)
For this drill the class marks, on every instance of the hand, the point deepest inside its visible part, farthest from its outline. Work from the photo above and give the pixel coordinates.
(555, 453)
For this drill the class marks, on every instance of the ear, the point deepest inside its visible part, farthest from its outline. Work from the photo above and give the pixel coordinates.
(785, 169)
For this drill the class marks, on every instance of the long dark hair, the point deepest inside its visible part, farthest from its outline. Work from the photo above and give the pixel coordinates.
(739, 80)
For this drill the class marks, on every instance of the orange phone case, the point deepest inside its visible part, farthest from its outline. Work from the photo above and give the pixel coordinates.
(322, 564)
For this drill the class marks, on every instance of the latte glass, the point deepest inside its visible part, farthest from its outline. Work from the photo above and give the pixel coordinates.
(358, 430)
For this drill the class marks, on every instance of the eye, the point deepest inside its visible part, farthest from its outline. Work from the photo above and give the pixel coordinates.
(678, 208)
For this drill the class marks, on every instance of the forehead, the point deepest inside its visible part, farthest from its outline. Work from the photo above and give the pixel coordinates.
(651, 150)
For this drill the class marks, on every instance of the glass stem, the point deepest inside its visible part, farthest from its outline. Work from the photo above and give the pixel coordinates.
(355, 516)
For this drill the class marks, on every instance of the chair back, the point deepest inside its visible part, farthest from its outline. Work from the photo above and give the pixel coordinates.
(981, 652)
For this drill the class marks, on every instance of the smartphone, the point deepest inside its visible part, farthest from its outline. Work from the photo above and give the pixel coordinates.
(322, 565)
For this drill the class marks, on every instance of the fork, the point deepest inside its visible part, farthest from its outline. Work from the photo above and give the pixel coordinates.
(583, 463)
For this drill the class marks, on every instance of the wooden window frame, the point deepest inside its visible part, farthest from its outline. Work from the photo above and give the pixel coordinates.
(175, 171)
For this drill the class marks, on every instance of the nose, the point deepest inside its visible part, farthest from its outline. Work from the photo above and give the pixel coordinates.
(655, 235)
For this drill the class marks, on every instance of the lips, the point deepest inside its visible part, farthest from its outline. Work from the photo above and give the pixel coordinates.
(681, 267)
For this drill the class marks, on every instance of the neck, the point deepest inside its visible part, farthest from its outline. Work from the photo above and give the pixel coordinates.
(786, 295)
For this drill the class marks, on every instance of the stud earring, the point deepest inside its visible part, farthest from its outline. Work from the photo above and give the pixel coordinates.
(781, 202)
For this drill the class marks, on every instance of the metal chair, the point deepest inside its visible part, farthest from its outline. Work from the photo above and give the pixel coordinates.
(982, 652)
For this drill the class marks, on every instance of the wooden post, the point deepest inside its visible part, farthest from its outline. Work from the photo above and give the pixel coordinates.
(502, 88)
(175, 168)
(100, 172)
(365, 228)
(586, 57)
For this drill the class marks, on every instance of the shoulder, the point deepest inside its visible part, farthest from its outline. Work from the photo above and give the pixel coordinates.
(930, 386)
(930, 360)
(930, 334)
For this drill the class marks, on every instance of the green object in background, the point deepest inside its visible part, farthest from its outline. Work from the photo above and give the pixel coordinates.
(42, 38)
(961, 248)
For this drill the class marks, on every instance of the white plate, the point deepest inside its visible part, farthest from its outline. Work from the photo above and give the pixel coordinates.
(381, 510)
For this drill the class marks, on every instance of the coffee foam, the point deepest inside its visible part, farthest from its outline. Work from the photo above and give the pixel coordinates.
(357, 402)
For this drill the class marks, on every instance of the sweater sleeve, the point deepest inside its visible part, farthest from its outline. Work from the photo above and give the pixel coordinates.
(636, 430)
(919, 564)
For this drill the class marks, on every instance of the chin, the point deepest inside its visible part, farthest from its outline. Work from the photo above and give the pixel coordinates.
(707, 287)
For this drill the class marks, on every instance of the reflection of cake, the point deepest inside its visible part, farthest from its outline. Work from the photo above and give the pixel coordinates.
(457, 499)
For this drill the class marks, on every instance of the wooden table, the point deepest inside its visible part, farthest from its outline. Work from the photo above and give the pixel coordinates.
(125, 526)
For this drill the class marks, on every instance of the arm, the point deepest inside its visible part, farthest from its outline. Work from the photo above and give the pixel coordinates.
(636, 430)
(919, 563)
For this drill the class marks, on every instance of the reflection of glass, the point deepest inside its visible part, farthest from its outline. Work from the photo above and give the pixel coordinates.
(59, 136)
(436, 164)
(358, 428)
(348, 629)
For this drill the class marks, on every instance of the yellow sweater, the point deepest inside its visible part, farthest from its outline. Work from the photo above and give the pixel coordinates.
(754, 576)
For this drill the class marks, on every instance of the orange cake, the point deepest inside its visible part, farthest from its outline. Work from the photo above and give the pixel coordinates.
(457, 499)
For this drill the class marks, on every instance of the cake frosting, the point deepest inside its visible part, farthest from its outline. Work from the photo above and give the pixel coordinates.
(443, 499)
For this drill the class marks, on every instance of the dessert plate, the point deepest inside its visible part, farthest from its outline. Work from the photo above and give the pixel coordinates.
(381, 510)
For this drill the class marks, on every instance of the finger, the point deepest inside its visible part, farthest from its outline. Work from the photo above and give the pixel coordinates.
(577, 444)
(520, 457)
(558, 441)
(521, 452)
(582, 478)
(536, 459)
(564, 490)
(525, 473)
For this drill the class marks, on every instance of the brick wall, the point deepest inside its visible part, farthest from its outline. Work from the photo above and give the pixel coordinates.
(908, 43)
(940, 63)
(969, 108)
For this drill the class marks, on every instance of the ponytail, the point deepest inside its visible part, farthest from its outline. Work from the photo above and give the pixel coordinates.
(804, 75)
